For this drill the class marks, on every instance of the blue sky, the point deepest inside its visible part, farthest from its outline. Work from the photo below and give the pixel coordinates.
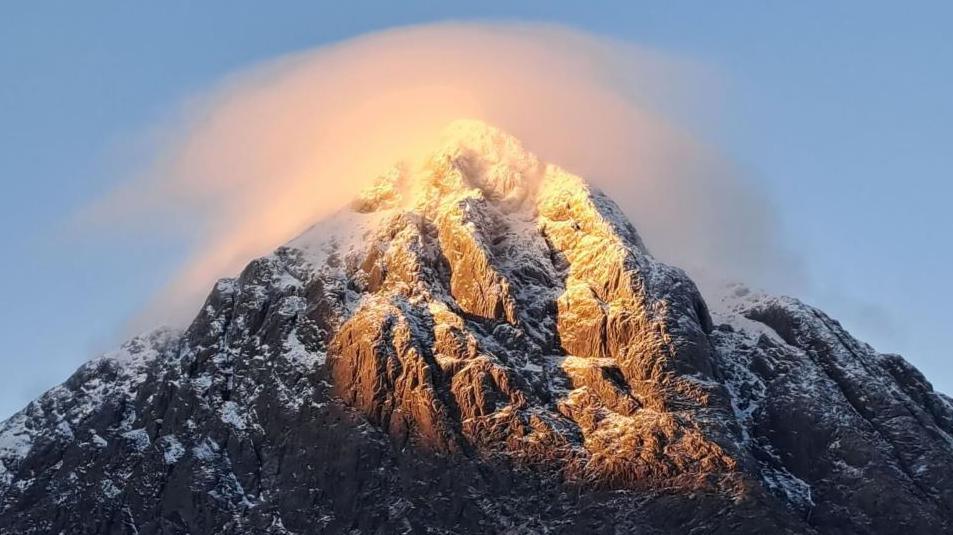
(842, 112)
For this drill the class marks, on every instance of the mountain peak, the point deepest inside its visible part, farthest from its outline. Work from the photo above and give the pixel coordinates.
(470, 158)
(481, 343)
(478, 137)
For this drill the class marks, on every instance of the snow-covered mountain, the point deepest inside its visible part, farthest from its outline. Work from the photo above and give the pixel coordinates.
(483, 344)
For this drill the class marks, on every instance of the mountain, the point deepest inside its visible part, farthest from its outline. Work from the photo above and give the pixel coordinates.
(482, 343)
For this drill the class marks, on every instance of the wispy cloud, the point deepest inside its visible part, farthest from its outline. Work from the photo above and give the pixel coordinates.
(273, 149)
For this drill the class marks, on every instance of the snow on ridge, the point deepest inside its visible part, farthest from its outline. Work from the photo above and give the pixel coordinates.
(60, 409)
(729, 304)
(15, 439)
(343, 232)
(144, 348)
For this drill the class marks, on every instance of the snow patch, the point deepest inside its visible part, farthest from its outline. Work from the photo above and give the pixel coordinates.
(231, 414)
(98, 441)
(109, 489)
(206, 450)
(15, 439)
(295, 351)
(138, 438)
(172, 449)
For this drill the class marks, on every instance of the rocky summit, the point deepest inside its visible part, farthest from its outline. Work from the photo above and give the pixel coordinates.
(482, 343)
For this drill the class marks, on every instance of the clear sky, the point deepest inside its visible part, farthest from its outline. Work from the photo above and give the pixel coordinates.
(843, 111)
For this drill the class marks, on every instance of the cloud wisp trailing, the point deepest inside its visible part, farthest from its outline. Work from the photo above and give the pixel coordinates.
(271, 150)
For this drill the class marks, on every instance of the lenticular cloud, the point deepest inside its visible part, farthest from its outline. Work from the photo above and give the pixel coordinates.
(251, 163)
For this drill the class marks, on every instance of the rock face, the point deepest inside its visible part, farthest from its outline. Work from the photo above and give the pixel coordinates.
(482, 345)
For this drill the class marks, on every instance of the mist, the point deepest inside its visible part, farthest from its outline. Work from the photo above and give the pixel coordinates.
(247, 165)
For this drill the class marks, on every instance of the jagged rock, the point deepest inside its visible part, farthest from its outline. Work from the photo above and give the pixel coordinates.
(482, 344)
